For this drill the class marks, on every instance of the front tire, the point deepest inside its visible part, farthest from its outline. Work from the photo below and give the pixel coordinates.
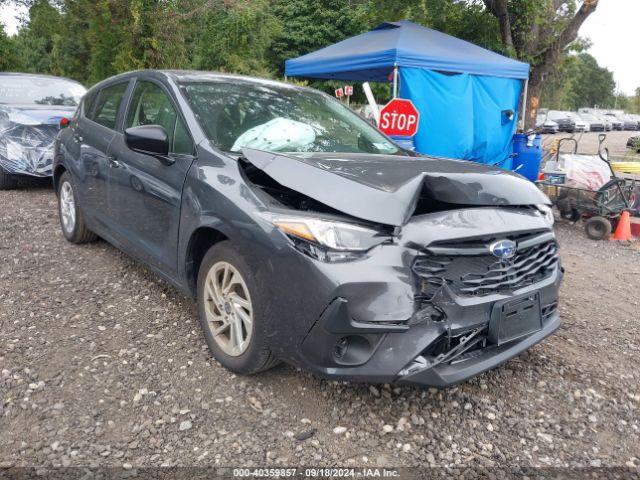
(72, 221)
(231, 313)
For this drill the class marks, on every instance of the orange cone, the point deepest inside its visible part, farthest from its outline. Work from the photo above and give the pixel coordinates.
(623, 230)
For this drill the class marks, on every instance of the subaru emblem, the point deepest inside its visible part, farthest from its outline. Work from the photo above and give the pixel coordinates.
(503, 249)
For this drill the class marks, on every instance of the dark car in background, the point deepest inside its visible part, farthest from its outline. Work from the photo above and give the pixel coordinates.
(565, 123)
(31, 107)
(633, 117)
(304, 234)
(626, 121)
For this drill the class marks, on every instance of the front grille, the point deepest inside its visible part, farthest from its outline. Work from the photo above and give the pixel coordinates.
(549, 310)
(468, 267)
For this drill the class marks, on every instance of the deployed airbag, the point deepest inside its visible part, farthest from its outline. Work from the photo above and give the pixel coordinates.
(277, 134)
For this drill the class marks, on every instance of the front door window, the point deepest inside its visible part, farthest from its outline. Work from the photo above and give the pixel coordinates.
(150, 105)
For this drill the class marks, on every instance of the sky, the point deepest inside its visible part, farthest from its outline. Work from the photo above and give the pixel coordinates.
(612, 29)
(8, 16)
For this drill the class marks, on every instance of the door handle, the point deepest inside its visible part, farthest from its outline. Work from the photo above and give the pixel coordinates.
(113, 161)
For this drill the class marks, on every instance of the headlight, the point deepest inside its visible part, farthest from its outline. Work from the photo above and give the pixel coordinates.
(547, 212)
(329, 240)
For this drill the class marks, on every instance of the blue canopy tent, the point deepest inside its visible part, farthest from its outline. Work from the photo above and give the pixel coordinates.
(467, 96)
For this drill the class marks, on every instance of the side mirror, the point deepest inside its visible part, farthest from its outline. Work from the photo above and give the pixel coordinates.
(147, 139)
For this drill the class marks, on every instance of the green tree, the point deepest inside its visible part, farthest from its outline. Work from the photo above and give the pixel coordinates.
(309, 25)
(635, 101)
(578, 82)
(538, 32)
(148, 31)
(589, 83)
(236, 38)
(71, 54)
(35, 41)
(8, 59)
(105, 33)
(92, 39)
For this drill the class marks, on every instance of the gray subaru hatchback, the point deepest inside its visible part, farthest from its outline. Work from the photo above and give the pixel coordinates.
(304, 234)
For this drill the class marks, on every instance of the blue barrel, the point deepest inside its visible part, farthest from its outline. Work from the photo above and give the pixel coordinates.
(404, 142)
(528, 156)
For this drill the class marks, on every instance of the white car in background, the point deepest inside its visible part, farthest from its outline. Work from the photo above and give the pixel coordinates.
(546, 125)
(594, 124)
(581, 125)
(616, 123)
(608, 122)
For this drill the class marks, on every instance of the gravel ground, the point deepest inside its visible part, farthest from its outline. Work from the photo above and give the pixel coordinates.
(616, 142)
(103, 364)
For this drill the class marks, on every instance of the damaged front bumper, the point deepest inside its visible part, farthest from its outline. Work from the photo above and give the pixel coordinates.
(430, 353)
(462, 366)
(391, 325)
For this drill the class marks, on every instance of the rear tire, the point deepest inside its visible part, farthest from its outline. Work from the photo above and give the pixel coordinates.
(72, 221)
(7, 181)
(597, 228)
(223, 314)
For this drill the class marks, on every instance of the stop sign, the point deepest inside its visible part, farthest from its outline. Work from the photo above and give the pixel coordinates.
(399, 117)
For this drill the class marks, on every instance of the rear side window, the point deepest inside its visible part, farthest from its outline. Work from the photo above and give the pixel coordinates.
(150, 105)
(106, 104)
(87, 104)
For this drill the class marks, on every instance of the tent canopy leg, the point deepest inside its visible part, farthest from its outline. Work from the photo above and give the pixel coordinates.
(395, 81)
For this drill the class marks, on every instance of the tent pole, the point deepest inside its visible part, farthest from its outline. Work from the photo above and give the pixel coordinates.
(524, 103)
(395, 81)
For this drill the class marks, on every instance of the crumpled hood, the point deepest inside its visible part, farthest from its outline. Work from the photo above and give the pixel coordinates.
(386, 188)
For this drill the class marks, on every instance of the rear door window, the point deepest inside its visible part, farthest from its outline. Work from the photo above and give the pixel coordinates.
(86, 104)
(150, 105)
(106, 104)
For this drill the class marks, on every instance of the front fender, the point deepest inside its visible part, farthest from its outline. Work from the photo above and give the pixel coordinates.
(216, 197)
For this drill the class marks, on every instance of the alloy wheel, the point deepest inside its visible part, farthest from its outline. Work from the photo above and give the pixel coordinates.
(228, 308)
(67, 207)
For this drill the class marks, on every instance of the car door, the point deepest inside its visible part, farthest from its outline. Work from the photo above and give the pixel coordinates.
(145, 192)
(93, 134)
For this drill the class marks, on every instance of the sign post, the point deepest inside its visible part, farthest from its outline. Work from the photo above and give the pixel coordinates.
(399, 118)
(372, 102)
(348, 91)
(339, 93)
